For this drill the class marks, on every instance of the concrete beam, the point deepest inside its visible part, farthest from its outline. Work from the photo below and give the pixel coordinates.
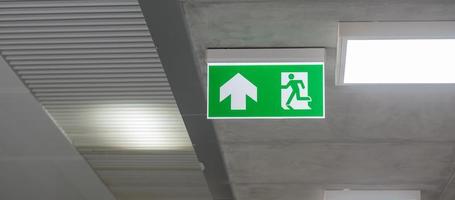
(167, 26)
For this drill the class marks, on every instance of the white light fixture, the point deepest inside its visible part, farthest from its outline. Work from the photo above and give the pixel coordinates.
(372, 195)
(396, 53)
(137, 126)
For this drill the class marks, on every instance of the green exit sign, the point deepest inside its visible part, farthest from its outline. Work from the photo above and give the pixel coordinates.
(266, 90)
(265, 83)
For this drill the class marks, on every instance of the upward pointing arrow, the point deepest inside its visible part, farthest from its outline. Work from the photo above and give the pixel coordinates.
(238, 87)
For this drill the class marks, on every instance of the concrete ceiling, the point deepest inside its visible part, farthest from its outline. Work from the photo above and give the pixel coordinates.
(373, 137)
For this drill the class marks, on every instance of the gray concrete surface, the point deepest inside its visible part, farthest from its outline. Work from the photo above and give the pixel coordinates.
(373, 137)
(36, 160)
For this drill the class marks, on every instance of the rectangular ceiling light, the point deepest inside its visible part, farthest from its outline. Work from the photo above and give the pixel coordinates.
(372, 195)
(396, 53)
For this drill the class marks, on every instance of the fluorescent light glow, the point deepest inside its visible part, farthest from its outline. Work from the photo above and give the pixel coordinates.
(372, 195)
(400, 61)
(125, 126)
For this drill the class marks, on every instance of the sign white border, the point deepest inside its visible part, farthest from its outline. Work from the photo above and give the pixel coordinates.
(288, 56)
(271, 63)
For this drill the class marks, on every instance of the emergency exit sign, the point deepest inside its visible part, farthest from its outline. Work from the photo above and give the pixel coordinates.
(244, 88)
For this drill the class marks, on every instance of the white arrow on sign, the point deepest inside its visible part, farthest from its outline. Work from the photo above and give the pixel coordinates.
(238, 87)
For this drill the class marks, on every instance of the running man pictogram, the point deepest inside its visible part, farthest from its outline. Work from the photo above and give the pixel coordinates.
(295, 91)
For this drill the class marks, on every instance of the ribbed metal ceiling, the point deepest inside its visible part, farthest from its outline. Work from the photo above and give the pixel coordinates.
(95, 69)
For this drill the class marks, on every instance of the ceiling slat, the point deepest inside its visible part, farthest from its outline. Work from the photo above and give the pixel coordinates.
(86, 16)
(73, 40)
(73, 46)
(93, 71)
(88, 66)
(107, 86)
(81, 34)
(52, 29)
(83, 56)
(50, 4)
(74, 22)
(85, 61)
(100, 89)
(70, 9)
(98, 80)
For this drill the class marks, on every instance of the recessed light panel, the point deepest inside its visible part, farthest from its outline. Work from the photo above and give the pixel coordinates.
(372, 195)
(400, 61)
(396, 53)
